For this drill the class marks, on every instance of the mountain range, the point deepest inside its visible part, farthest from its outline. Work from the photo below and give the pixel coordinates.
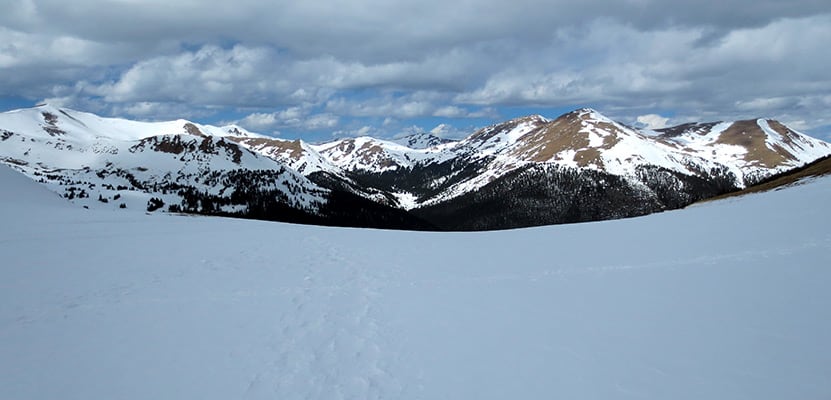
(580, 166)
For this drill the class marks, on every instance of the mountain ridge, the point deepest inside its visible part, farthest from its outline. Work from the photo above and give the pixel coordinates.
(420, 175)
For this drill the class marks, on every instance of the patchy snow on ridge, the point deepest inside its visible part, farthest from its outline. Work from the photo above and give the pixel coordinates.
(802, 146)
(737, 146)
(297, 154)
(48, 137)
(375, 155)
(496, 139)
(772, 136)
(113, 163)
(423, 140)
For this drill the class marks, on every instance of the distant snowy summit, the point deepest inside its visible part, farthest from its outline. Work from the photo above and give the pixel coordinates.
(423, 140)
(580, 166)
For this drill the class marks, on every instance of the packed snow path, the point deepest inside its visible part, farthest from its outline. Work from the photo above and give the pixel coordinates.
(723, 300)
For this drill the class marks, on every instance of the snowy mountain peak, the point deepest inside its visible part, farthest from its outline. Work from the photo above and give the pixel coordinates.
(575, 139)
(591, 116)
(47, 107)
(422, 140)
(585, 110)
(297, 154)
(757, 146)
(366, 153)
(498, 137)
(415, 171)
(110, 162)
(47, 120)
(238, 131)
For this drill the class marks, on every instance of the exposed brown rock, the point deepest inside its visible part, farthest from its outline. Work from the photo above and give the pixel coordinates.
(192, 129)
(346, 146)
(271, 146)
(749, 135)
(49, 118)
(562, 134)
(51, 127)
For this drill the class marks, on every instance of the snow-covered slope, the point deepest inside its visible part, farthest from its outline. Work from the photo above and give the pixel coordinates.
(112, 163)
(20, 192)
(423, 140)
(297, 154)
(50, 121)
(723, 300)
(367, 154)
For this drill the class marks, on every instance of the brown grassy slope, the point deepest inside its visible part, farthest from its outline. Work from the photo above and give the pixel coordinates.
(819, 167)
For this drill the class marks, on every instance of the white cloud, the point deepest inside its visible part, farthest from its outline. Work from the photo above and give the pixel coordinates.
(653, 121)
(382, 106)
(418, 104)
(449, 112)
(446, 131)
(765, 103)
(246, 76)
(461, 60)
(320, 121)
(460, 112)
(365, 130)
(210, 75)
(258, 121)
(770, 69)
(293, 118)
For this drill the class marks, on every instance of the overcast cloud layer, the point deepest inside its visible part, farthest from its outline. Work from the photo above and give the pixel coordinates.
(317, 69)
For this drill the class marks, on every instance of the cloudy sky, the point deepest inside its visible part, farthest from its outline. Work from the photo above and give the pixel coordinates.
(322, 69)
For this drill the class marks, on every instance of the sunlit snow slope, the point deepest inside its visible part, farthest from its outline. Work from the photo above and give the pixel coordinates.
(726, 300)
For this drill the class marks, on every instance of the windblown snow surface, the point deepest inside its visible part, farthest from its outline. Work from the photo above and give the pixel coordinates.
(725, 300)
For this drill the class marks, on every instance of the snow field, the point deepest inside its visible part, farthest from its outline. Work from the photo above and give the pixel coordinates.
(721, 300)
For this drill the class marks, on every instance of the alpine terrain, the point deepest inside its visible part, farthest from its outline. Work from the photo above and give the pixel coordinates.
(727, 299)
(581, 166)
